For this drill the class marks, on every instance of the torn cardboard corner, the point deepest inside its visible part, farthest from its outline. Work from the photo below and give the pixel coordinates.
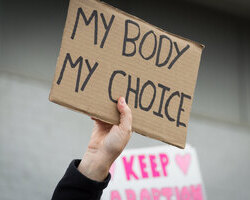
(106, 53)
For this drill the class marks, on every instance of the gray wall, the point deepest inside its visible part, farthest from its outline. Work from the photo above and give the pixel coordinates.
(38, 138)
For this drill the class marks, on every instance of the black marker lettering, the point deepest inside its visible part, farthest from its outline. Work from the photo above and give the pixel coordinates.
(111, 82)
(178, 123)
(135, 91)
(167, 104)
(107, 28)
(164, 89)
(72, 65)
(148, 83)
(86, 21)
(179, 53)
(157, 62)
(91, 71)
(142, 42)
(78, 77)
(131, 40)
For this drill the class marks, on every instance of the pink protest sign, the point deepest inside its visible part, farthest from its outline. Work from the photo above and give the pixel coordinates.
(156, 173)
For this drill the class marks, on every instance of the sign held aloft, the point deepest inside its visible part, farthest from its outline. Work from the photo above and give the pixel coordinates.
(156, 173)
(106, 53)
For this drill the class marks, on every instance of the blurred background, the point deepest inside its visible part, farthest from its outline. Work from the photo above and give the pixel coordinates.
(38, 139)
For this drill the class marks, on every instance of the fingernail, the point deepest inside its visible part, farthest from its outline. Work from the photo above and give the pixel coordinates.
(122, 100)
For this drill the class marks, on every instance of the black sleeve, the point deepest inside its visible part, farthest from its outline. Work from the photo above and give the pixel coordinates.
(75, 186)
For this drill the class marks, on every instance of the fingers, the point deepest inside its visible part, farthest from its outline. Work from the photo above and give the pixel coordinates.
(125, 115)
(101, 125)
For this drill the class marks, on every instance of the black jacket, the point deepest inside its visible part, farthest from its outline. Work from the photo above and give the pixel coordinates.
(76, 186)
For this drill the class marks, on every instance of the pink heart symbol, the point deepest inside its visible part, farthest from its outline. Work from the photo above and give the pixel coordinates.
(183, 162)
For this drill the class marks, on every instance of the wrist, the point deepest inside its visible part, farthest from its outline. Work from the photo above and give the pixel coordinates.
(95, 165)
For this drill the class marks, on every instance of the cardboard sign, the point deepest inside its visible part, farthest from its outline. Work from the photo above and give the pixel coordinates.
(106, 53)
(156, 173)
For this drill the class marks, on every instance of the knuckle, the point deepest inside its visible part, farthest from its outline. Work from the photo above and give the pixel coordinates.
(129, 129)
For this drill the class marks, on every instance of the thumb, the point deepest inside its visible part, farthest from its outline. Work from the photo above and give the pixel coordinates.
(125, 116)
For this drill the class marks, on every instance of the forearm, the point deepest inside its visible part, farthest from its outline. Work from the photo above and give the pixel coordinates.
(87, 178)
(95, 165)
(75, 185)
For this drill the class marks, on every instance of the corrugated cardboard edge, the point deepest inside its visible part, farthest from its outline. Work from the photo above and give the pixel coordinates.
(57, 101)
